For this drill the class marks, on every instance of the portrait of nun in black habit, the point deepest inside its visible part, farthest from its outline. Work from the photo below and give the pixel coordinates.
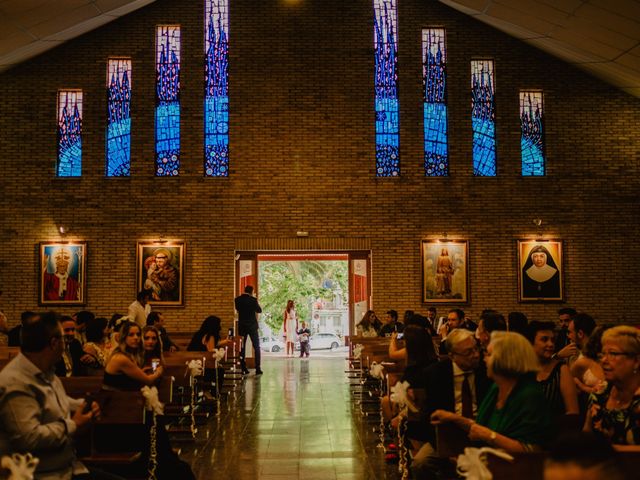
(540, 276)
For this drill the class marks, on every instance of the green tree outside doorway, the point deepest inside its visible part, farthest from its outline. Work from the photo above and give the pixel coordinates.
(304, 282)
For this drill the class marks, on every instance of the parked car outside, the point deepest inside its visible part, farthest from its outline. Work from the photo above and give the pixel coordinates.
(321, 341)
(271, 344)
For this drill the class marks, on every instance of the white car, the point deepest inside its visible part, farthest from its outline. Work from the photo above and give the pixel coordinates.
(320, 341)
(271, 344)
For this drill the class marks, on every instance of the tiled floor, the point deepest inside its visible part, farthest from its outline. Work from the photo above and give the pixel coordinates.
(294, 422)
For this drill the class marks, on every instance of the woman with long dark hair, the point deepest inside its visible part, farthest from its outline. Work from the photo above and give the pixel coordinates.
(207, 338)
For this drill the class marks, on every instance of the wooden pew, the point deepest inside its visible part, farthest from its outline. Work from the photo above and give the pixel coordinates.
(122, 422)
(78, 387)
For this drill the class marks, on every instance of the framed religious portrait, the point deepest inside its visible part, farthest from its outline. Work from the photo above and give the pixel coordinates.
(540, 271)
(63, 267)
(445, 271)
(160, 269)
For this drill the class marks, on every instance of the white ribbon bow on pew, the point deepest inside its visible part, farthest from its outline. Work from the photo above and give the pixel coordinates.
(194, 367)
(150, 395)
(472, 464)
(400, 396)
(376, 370)
(357, 350)
(20, 466)
(218, 354)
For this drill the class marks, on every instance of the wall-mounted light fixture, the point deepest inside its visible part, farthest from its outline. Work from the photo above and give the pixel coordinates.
(302, 233)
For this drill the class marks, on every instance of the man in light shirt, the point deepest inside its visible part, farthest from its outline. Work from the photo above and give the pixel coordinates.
(140, 309)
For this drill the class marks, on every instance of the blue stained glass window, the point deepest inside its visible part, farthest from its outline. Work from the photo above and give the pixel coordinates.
(434, 77)
(386, 88)
(532, 140)
(168, 101)
(483, 118)
(119, 118)
(69, 133)
(216, 100)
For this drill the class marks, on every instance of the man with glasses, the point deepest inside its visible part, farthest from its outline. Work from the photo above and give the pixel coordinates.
(457, 384)
(162, 277)
(36, 414)
(72, 354)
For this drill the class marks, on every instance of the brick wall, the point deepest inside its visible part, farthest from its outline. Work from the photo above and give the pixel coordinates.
(302, 158)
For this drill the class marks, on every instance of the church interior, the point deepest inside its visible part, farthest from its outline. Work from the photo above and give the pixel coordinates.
(480, 156)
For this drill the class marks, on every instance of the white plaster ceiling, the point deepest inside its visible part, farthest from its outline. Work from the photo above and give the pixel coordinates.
(599, 36)
(30, 27)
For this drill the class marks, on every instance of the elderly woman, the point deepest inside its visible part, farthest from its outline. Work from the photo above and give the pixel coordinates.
(615, 413)
(514, 414)
(554, 376)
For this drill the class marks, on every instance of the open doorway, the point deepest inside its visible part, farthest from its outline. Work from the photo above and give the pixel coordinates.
(318, 284)
(331, 289)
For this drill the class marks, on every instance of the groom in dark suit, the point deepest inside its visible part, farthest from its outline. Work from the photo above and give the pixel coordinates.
(248, 308)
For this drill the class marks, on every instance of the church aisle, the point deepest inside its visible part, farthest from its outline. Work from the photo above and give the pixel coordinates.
(294, 422)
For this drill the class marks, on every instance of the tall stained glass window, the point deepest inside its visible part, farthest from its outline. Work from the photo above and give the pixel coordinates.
(118, 117)
(386, 88)
(168, 100)
(532, 140)
(216, 99)
(434, 78)
(69, 133)
(483, 118)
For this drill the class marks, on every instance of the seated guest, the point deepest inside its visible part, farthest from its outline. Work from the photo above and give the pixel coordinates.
(582, 456)
(140, 309)
(36, 414)
(420, 353)
(391, 324)
(207, 338)
(586, 370)
(514, 414)
(564, 348)
(615, 413)
(123, 370)
(13, 336)
(152, 344)
(517, 322)
(82, 318)
(156, 319)
(456, 385)
(71, 363)
(400, 353)
(96, 346)
(455, 319)
(490, 321)
(554, 375)
(369, 325)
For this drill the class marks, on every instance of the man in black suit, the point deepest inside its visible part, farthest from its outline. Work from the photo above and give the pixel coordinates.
(71, 363)
(456, 384)
(248, 308)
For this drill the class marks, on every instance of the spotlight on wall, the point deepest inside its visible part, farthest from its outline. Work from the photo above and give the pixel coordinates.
(62, 229)
(301, 233)
(537, 222)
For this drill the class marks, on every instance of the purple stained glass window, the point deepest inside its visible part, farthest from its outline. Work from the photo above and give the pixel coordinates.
(483, 118)
(434, 78)
(118, 157)
(69, 133)
(386, 88)
(168, 100)
(216, 101)
(532, 139)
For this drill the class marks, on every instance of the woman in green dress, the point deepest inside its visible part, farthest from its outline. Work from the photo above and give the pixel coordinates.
(514, 414)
